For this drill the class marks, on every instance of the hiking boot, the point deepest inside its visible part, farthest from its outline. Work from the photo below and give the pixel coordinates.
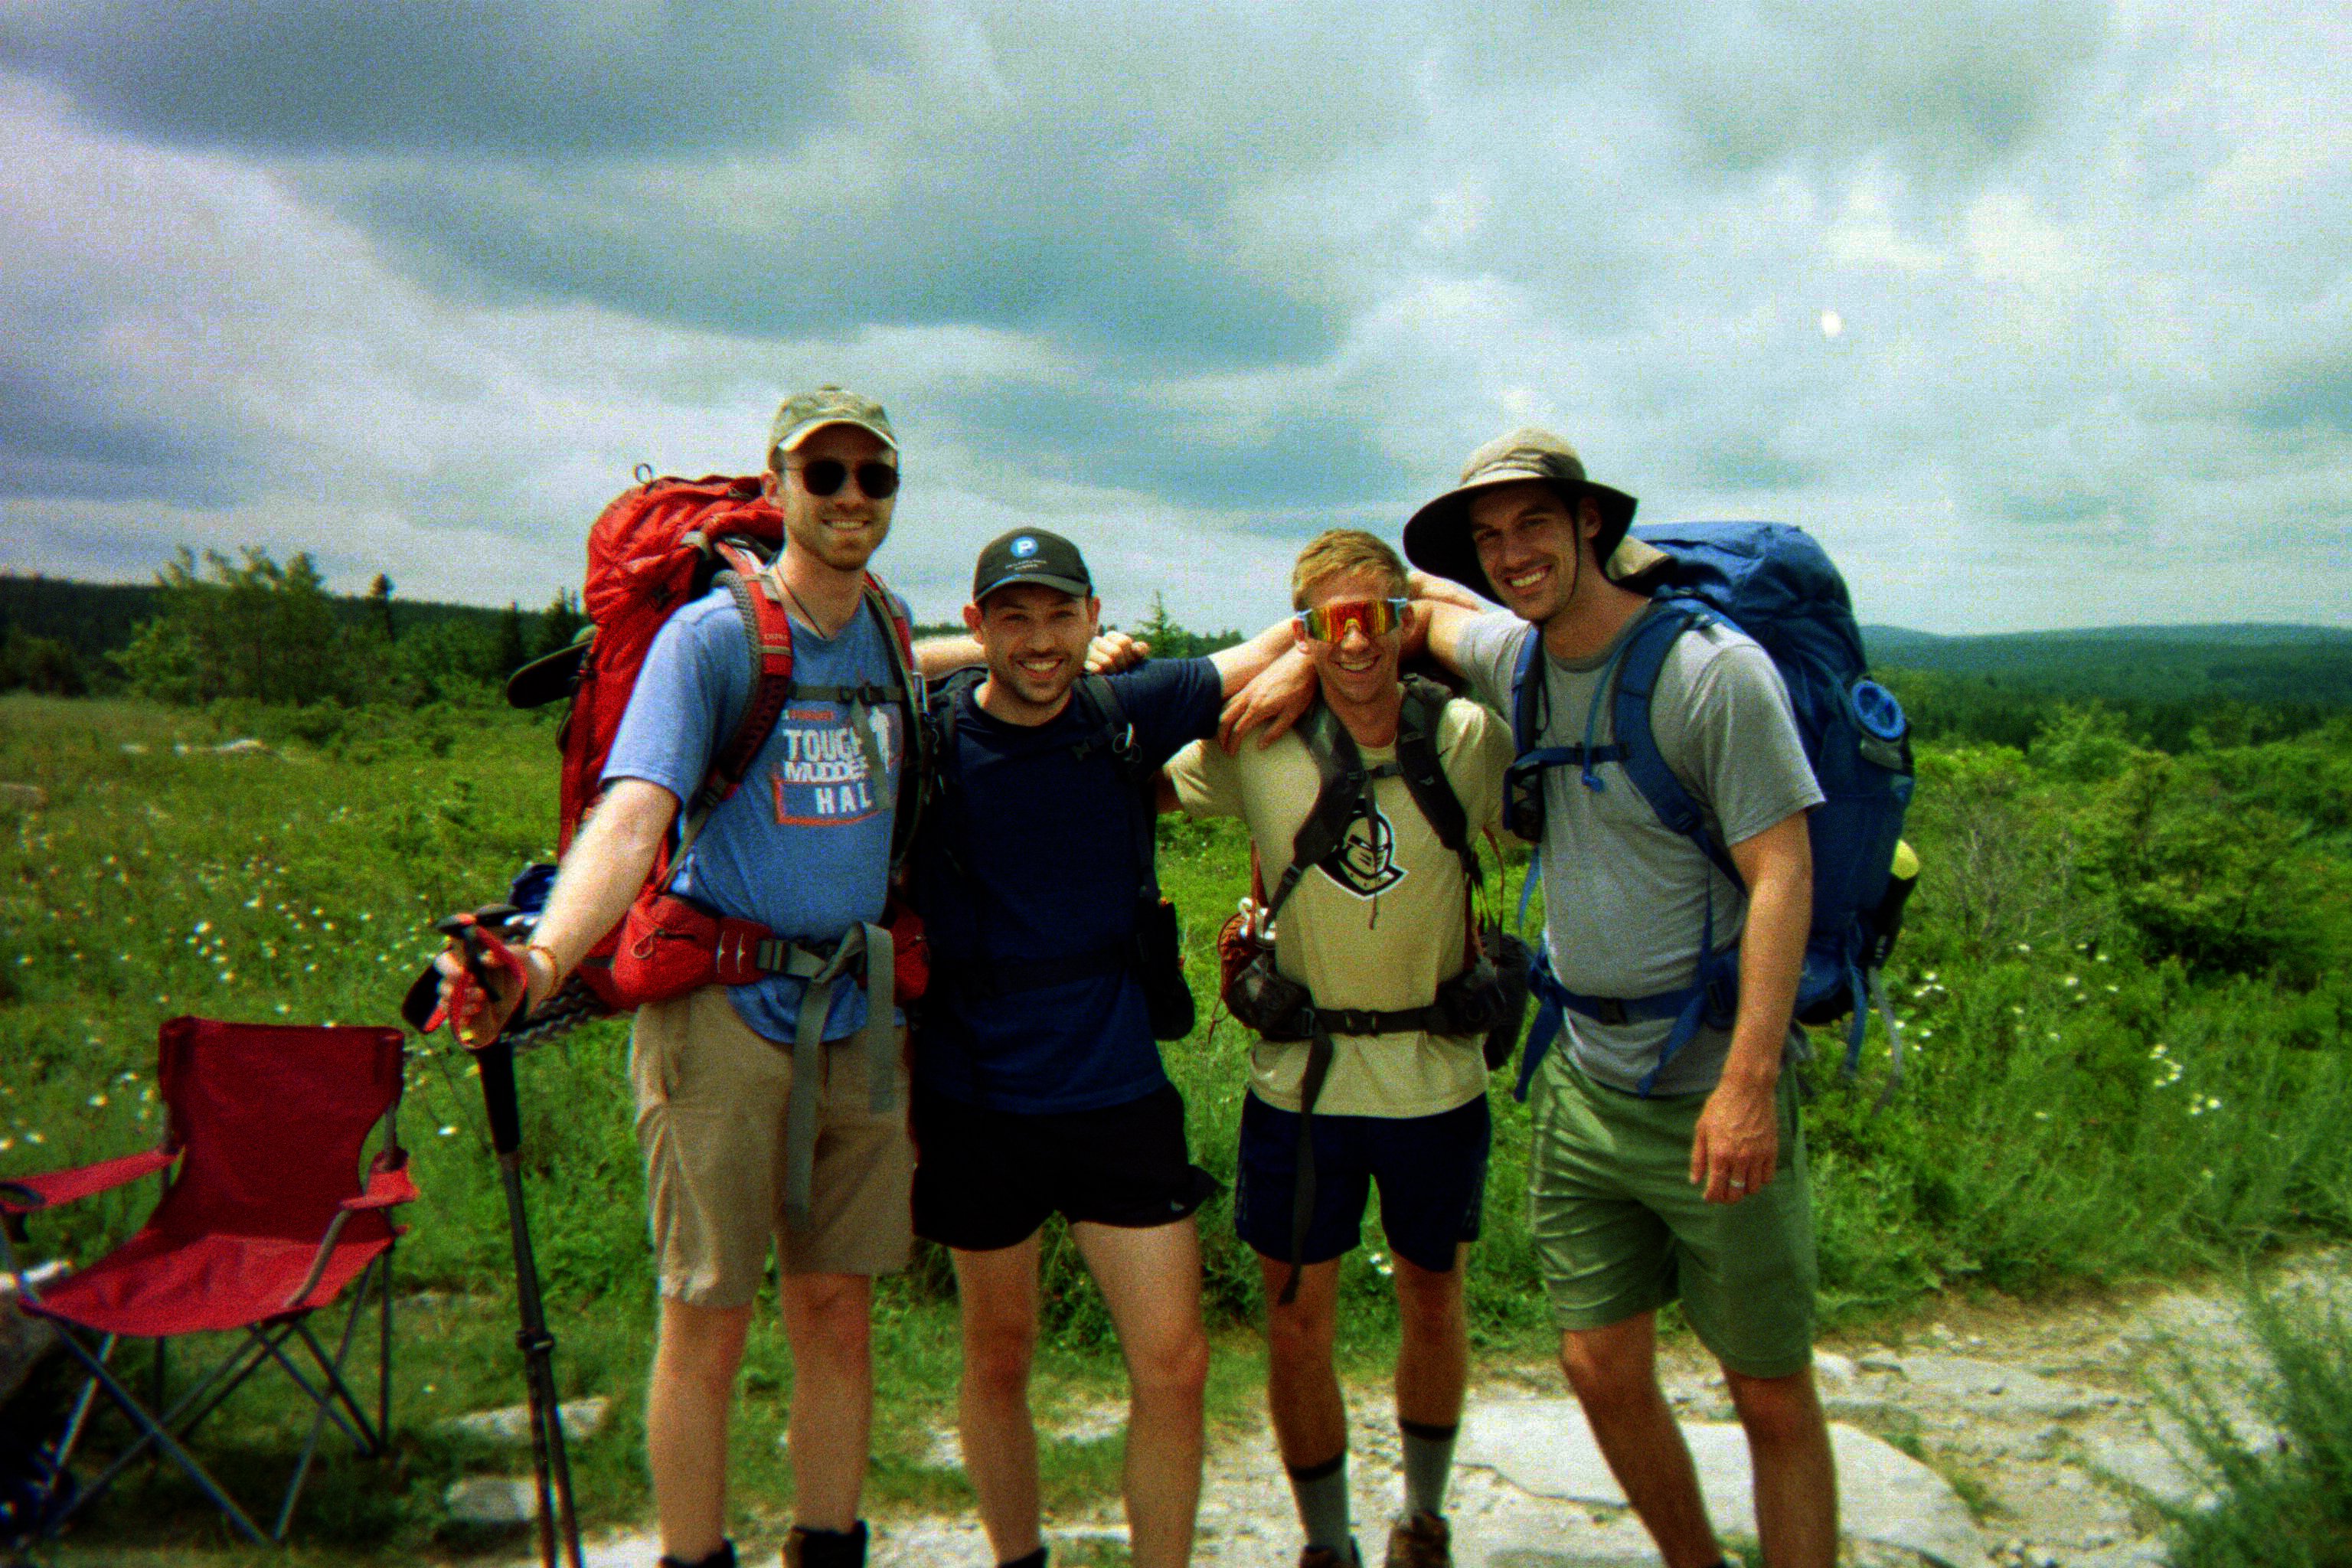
(805, 1547)
(1422, 1540)
(1327, 1557)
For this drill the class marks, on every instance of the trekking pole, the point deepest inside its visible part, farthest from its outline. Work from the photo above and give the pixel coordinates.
(550, 1464)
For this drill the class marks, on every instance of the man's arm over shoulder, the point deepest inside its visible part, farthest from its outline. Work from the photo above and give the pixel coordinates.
(1477, 748)
(1201, 781)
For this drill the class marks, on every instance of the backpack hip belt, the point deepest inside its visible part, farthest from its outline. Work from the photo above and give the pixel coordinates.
(1711, 1003)
(863, 948)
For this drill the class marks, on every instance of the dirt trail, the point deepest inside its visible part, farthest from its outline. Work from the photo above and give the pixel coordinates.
(2039, 1421)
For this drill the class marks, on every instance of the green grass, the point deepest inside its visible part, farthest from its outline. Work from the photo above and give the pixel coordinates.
(2287, 1505)
(2044, 1139)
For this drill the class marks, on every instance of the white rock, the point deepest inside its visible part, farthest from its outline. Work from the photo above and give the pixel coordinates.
(2017, 1391)
(492, 1500)
(246, 747)
(1831, 1368)
(2130, 1554)
(1545, 1447)
(2142, 1465)
(582, 1418)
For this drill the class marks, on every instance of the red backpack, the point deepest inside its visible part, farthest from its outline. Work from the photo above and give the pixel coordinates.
(661, 543)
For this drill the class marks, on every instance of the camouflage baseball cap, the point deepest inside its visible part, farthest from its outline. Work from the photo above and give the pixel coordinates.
(1438, 539)
(828, 404)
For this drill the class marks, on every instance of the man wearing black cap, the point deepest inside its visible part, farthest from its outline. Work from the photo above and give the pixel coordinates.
(1038, 1085)
(1659, 1168)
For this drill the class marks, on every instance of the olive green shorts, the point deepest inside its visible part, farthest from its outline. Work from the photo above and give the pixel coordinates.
(712, 1097)
(1620, 1228)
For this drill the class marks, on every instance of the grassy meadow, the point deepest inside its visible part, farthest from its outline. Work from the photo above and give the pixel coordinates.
(2123, 987)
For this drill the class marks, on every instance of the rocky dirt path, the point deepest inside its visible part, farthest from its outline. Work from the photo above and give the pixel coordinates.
(1995, 1433)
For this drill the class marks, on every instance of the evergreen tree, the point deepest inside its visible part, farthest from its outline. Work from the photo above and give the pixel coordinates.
(380, 603)
(559, 622)
(511, 651)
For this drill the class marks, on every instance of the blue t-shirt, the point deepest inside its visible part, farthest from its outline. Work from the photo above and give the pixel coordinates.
(804, 846)
(1029, 855)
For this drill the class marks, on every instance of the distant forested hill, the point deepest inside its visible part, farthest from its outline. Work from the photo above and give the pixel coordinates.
(94, 619)
(2247, 662)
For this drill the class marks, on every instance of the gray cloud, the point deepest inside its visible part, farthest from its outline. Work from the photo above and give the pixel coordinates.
(535, 81)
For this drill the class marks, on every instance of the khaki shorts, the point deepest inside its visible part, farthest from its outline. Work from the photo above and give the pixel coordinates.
(1620, 1228)
(712, 1097)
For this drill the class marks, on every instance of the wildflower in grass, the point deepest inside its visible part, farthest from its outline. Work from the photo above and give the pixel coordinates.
(1930, 976)
(35, 1138)
(203, 927)
(2025, 947)
(2070, 980)
(6, 1145)
(97, 1102)
(2041, 1116)
(1923, 1034)
(448, 1132)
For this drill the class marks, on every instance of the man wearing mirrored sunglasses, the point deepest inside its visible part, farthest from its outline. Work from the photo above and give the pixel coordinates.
(1375, 927)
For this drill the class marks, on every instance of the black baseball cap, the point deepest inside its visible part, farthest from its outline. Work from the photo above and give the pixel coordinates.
(1031, 555)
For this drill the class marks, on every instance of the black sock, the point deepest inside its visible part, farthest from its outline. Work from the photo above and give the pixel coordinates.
(1034, 1559)
(723, 1558)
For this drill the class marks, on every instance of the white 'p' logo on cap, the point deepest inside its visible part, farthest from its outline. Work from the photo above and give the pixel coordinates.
(1024, 547)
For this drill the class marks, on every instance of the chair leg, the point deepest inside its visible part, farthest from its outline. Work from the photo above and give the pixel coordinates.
(151, 1432)
(383, 1358)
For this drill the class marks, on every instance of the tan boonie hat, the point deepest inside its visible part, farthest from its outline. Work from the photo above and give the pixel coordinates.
(828, 404)
(1438, 539)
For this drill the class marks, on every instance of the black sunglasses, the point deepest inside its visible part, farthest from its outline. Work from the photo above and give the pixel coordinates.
(821, 477)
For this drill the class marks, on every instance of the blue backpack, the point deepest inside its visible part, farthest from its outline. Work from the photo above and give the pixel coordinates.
(1776, 585)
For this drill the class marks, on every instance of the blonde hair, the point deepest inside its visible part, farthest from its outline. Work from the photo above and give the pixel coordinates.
(1341, 550)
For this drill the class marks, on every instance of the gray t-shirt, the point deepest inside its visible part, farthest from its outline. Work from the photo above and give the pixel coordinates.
(1625, 897)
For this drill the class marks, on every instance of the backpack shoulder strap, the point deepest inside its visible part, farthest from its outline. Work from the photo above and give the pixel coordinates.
(1109, 727)
(1418, 724)
(1340, 768)
(1528, 695)
(1632, 719)
(914, 766)
(768, 631)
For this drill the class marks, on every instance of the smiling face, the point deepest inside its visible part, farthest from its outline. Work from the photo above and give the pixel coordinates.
(1358, 671)
(1034, 639)
(1534, 546)
(845, 529)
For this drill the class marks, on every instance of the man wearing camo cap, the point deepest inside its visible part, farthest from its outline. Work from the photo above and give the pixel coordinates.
(804, 852)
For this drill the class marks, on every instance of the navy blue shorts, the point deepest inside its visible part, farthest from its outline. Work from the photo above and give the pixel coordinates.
(987, 1179)
(1432, 1171)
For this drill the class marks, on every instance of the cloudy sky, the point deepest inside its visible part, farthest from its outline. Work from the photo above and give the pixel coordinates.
(2039, 313)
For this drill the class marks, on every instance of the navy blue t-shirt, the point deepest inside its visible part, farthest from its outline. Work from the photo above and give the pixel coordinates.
(1029, 855)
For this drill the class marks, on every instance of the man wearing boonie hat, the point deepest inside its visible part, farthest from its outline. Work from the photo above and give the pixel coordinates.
(1038, 1083)
(804, 852)
(1655, 1173)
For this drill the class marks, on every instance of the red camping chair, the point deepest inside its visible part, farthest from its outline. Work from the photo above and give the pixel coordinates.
(265, 1221)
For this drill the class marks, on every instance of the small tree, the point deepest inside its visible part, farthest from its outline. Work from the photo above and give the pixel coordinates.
(380, 601)
(559, 622)
(511, 652)
(252, 630)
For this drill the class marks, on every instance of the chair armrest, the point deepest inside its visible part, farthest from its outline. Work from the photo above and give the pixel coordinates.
(23, 1195)
(387, 1186)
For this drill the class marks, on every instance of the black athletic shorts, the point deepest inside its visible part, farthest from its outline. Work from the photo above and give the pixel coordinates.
(987, 1179)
